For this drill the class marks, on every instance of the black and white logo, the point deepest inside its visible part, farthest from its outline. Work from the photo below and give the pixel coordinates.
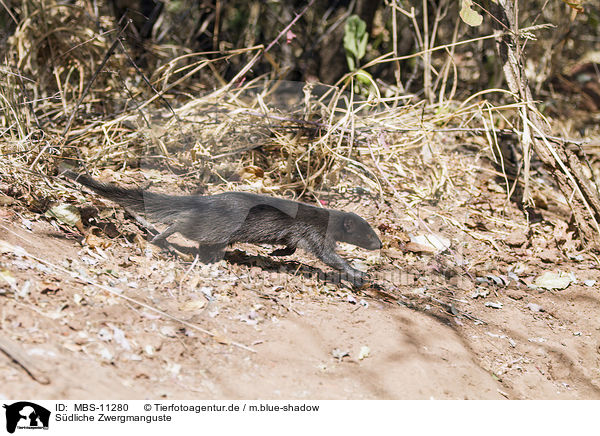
(26, 415)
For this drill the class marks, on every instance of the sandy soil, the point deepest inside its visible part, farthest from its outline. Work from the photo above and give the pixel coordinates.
(428, 332)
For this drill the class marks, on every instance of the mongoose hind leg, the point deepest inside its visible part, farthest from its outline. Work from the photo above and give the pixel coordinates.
(211, 253)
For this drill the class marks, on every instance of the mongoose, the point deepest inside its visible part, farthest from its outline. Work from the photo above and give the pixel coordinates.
(216, 221)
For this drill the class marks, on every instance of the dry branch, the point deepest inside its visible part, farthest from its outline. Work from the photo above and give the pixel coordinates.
(561, 162)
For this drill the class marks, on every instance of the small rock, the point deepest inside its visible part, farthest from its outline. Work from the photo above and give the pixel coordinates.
(104, 335)
(496, 305)
(516, 238)
(463, 283)
(535, 307)
(169, 331)
(364, 352)
(105, 354)
(516, 295)
(480, 293)
(548, 256)
(339, 354)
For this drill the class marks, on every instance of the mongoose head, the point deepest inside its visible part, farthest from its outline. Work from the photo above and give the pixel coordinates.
(354, 230)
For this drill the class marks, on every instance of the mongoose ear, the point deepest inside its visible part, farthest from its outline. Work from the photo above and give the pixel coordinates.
(349, 224)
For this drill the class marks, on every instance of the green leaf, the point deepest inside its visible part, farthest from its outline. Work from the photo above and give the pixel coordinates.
(350, 60)
(355, 40)
(364, 78)
(362, 46)
(468, 15)
(575, 4)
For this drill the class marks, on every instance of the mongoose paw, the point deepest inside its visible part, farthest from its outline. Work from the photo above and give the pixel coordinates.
(356, 277)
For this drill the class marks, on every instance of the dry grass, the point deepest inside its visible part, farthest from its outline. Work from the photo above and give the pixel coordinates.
(264, 134)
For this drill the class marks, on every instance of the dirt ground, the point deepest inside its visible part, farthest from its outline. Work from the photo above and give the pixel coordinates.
(80, 315)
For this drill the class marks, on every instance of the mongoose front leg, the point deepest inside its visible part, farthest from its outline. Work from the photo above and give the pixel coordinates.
(174, 228)
(328, 255)
(160, 240)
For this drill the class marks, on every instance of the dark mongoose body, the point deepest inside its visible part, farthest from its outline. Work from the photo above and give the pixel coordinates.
(216, 221)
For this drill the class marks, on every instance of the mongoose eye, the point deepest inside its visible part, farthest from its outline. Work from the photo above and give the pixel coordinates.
(349, 225)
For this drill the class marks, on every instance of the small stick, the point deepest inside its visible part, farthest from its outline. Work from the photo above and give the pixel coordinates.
(285, 29)
(475, 130)
(13, 352)
(89, 84)
(188, 271)
(83, 94)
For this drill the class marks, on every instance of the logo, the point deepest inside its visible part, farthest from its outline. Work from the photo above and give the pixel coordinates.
(26, 415)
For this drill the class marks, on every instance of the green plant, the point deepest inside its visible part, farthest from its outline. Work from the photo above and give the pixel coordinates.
(355, 40)
(355, 44)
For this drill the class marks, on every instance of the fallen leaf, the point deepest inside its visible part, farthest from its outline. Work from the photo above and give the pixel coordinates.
(437, 243)
(468, 15)
(27, 224)
(65, 213)
(516, 295)
(252, 172)
(193, 305)
(549, 256)
(393, 253)
(94, 241)
(554, 280)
